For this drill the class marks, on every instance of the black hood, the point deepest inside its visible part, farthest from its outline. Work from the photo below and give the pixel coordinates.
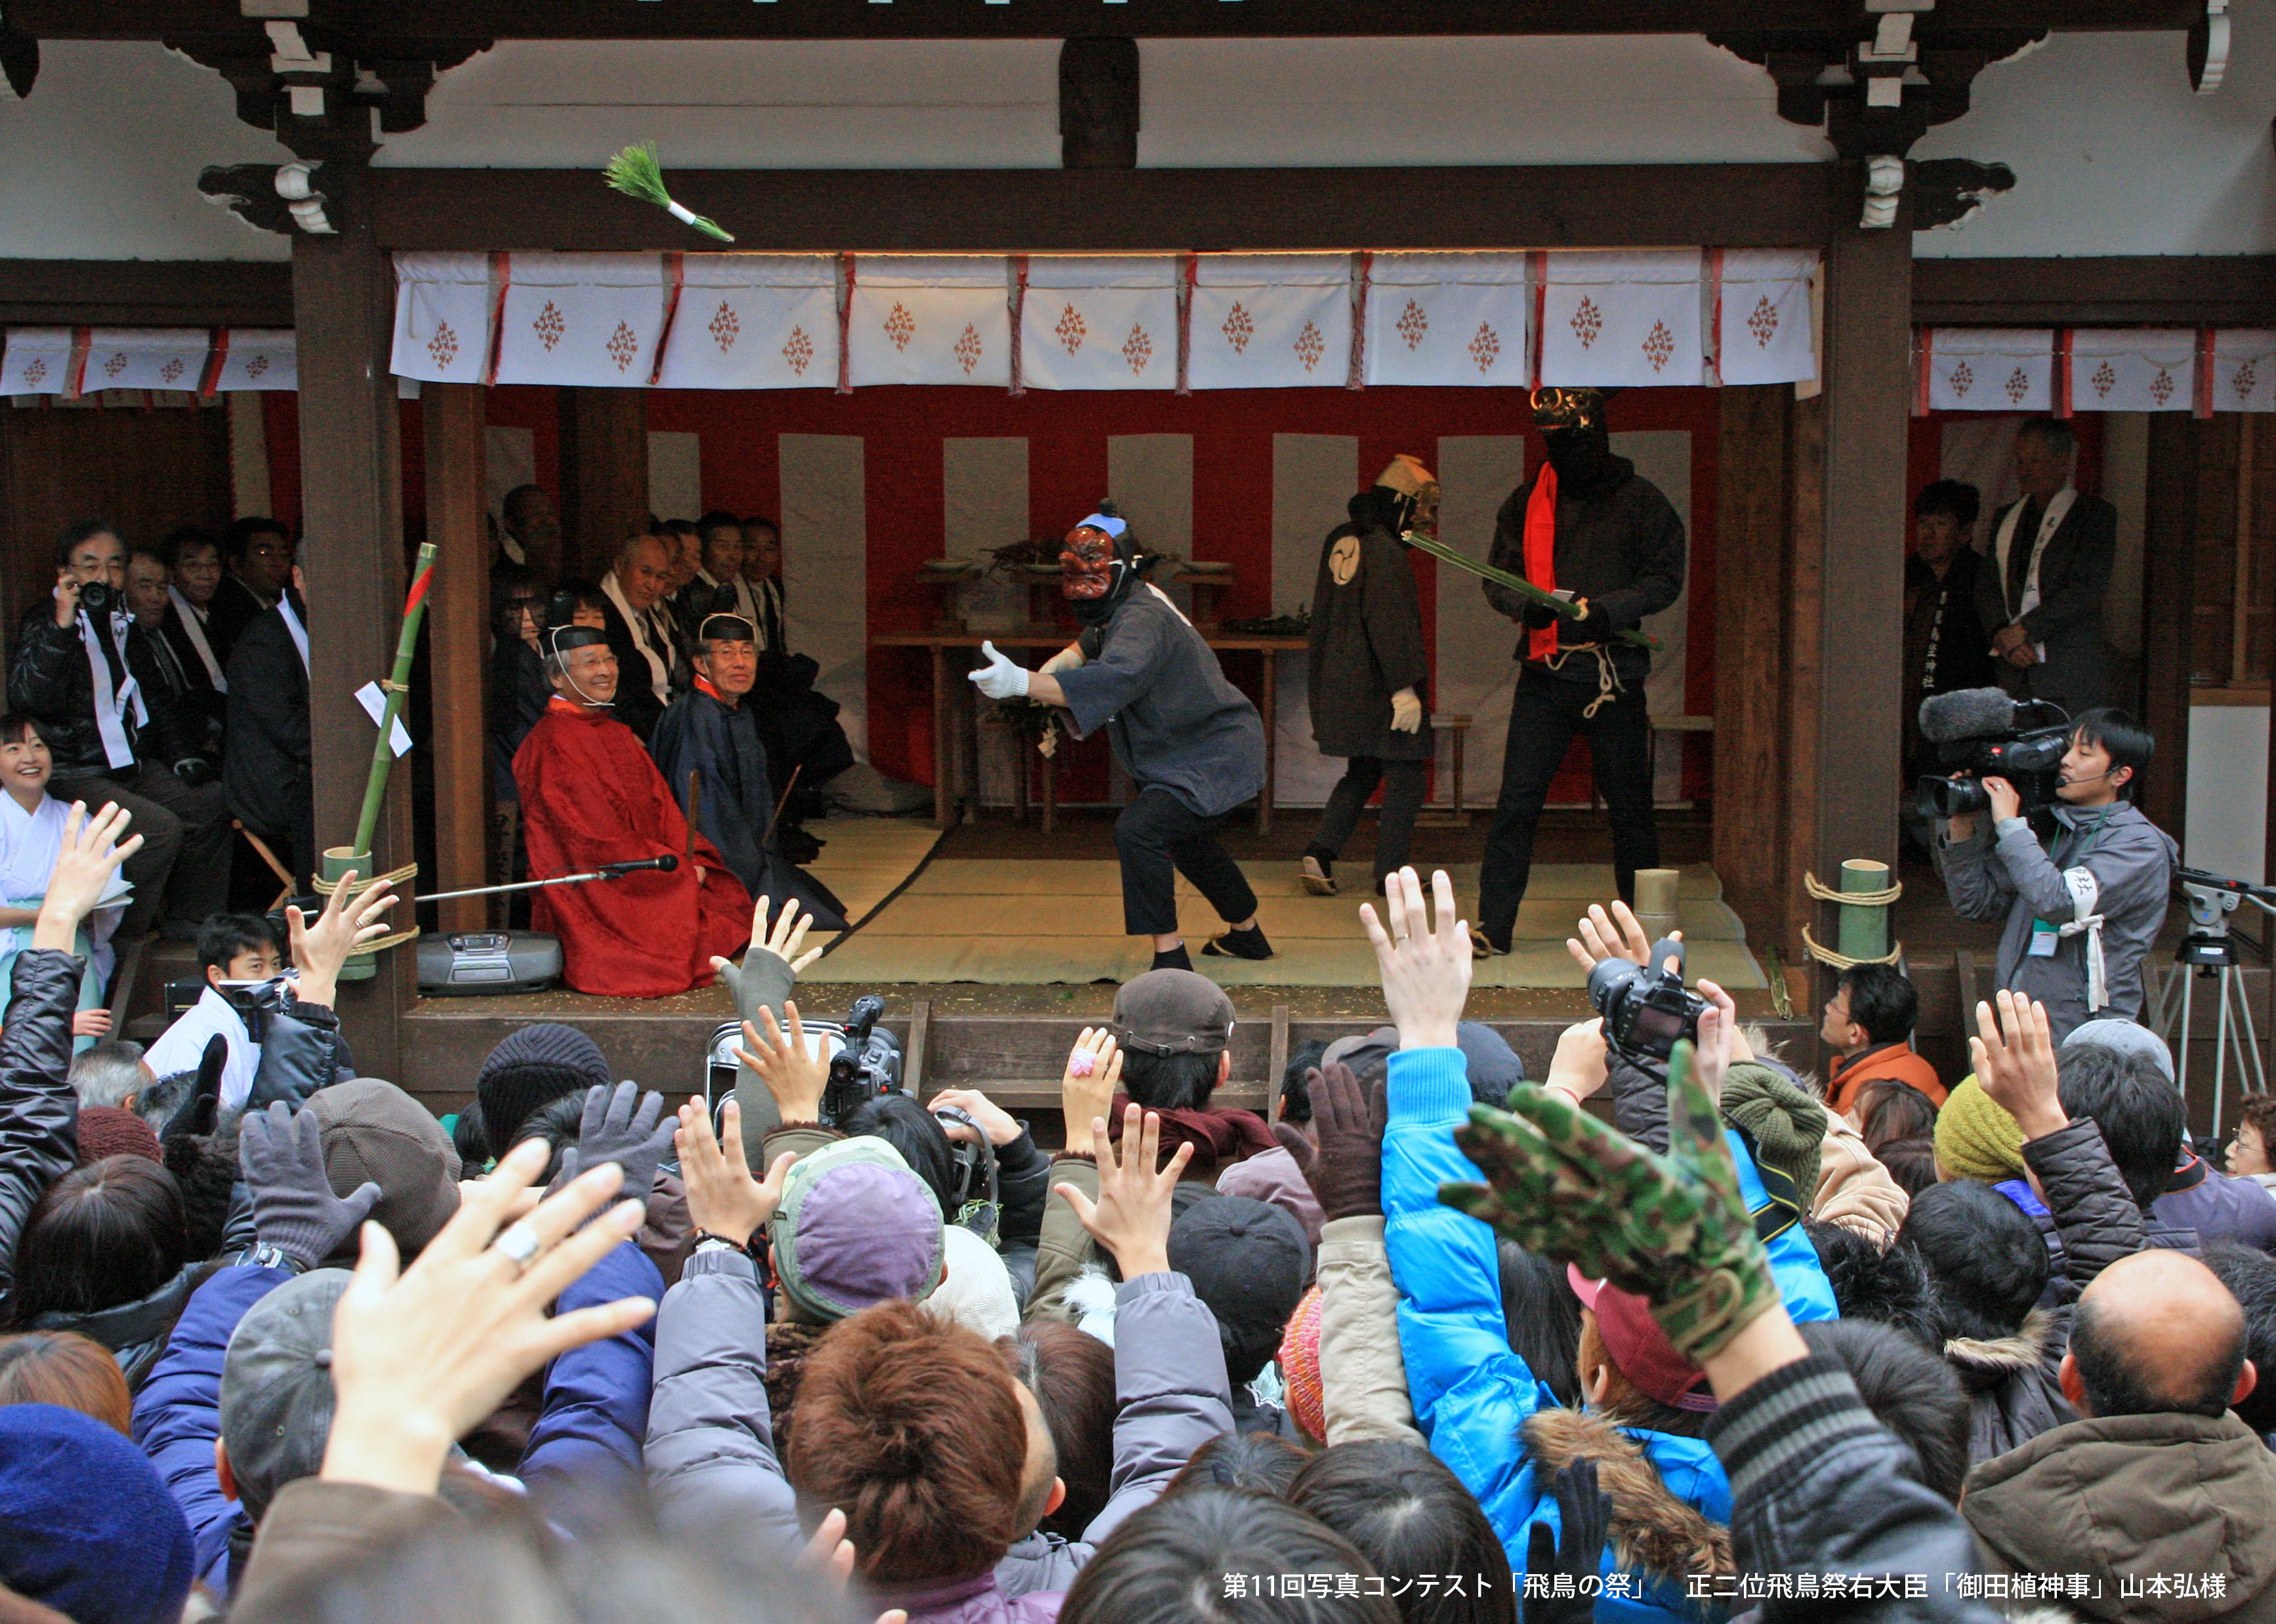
(1584, 461)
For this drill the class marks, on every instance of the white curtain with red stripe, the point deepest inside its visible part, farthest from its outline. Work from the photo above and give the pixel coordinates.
(38, 360)
(2243, 370)
(942, 318)
(2133, 369)
(442, 307)
(1988, 369)
(1269, 321)
(1621, 320)
(1763, 316)
(1439, 319)
(257, 358)
(1104, 322)
(580, 318)
(752, 321)
(86, 360)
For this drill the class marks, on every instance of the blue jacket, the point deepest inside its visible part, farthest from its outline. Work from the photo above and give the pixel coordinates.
(178, 1412)
(1472, 1394)
(585, 1446)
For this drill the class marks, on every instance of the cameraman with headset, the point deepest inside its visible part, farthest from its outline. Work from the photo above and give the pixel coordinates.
(2084, 908)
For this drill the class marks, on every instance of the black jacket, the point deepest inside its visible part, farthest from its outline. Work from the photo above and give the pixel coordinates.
(50, 680)
(1620, 546)
(268, 772)
(2073, 575)
(1943, 614)
(39, 1113)
(518, 694)
(1366, 645)
(135, 1332)
(185, 709)
(301, 1051)
(637, 706)
(234, 607)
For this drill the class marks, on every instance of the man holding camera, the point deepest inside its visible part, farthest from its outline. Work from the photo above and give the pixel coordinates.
(74, 672)
(2083, 909)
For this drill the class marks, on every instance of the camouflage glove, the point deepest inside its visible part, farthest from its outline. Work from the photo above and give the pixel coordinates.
(1672, 1228)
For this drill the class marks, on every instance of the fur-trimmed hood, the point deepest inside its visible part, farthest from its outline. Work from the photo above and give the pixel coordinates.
(1652, 1529)
(1980, 1361)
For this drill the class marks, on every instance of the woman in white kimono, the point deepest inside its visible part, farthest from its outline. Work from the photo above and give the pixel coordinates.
(30, 838)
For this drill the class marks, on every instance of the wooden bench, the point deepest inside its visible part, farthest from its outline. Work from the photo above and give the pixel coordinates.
(1453, 815)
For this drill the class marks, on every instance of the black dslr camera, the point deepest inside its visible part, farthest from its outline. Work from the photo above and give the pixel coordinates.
(1982, 733)
(1646, 1008)
(98, 598)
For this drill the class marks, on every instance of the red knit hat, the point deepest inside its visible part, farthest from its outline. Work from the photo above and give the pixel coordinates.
(1639, 1347)
(106, 1130)
(1299, 1368)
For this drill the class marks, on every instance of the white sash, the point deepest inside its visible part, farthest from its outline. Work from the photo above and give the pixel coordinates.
(2085, 894)
(292, 627)
(110, 707)
(196, 628)
(2050, 521)
(659, 666)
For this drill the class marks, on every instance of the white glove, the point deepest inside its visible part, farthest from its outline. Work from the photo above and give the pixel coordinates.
(1406, 712)
(999, 679)
(1066, 659)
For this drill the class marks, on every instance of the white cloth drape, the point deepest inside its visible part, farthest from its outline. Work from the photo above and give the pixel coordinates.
(934, 318)
(443, 306)
(1621, 320)
(2133, 369)
(1108, 323)
(1763, 333)
(1270, 321)
(754, 321)
(2244, 370)
(580, 318)
(1439, 319)
(1988, 368)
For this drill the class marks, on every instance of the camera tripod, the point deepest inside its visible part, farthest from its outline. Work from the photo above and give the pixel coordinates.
(2210, 950)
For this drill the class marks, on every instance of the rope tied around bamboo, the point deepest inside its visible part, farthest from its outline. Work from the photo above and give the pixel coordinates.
(324, 887)
(1866, 894)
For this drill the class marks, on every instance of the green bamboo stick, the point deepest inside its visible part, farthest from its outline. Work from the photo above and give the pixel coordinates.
(1446, 554)
(383, 754)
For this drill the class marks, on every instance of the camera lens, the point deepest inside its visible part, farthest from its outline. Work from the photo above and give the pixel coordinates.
(1952, 797)
(1609, 982)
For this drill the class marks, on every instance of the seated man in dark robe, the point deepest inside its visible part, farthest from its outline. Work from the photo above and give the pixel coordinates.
(798, 721)
(708, 739)
(590, 795)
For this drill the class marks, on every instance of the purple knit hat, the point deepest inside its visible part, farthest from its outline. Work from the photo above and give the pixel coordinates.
(855, 1228)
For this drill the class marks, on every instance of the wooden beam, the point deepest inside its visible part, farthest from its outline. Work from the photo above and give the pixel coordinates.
(2197, 290)
(1867, 349)
(146, 292)
(402, 24)
(2169, 610)
(351, 502)
(1715, 205)
(603, 475)
(1752, 681)
(458, 637)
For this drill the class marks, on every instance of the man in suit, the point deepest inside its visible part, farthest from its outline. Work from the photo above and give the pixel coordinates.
(640, 632)
(2041, 591)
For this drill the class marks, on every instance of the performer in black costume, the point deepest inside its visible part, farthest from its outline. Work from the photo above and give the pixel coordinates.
(1369, 671)
(1190, 739)
(710, 734)
(1587, 527)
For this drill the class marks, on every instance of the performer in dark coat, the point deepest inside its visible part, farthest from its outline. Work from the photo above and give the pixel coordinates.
(709, 735)
(2040, 593)
(1369, 671)
(1190, 739)
(1946, 648)
(590, 795)
(1587, 526)
(519, 690)
(268, 769)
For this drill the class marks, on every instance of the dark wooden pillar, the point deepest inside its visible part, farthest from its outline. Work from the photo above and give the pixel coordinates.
(1859, 734)
(1752, 761)
(604, 474)
(1098, 103)
(458, 625)
(351, 482)
(2169, 546)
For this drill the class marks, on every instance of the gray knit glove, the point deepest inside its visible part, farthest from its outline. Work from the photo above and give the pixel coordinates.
(293, 1208)
(763, 981)
(621, 1126)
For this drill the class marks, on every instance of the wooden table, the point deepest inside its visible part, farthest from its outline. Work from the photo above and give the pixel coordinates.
(954, 748)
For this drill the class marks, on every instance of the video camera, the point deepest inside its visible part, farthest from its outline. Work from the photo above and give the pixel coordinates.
(1646, 1007)
(1983, 733)
(864, 1060)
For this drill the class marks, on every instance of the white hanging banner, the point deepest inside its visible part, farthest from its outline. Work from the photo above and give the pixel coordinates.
(1439, 319)
(1269, 321)
(1763, 326)
(1104, 322)
(442, 307)
(2243, 370)
(145, 358)
(1620, 320)
(37, 362)
(1988, 368)
(754, 321)
(256, 358)
(2133, 369)
(580, 318)
(934, 318)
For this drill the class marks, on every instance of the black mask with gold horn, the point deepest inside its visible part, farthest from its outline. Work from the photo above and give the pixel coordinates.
(1572, 424)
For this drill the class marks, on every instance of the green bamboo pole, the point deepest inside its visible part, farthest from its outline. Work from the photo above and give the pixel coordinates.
(1446, 553)
(1864, 932)
(382, 753)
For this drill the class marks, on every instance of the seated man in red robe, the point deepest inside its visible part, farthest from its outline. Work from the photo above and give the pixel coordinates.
(590, 795)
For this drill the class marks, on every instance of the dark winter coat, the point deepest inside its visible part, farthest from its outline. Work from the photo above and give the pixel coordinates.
(1618, 544)
(2217, 1207)
(268, 770)
(2013, 1392)
(518, 694)
(1172, 719)
(39, 1113)
(1940, 612)
(1366, 645)
(50, 680)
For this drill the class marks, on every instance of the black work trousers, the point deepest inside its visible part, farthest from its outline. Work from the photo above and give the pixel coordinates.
(1158, 836)
(1544, 714)
(1402, 797)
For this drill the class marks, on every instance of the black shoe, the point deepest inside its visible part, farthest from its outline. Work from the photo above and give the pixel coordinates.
(1250, 944)
(1175, 959)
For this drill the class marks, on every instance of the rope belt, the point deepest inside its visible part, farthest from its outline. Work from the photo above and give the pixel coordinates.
(1608, 683)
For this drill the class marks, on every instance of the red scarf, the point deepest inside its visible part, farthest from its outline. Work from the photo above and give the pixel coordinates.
(1219, 1138)
(1541, 555)
(703, 686)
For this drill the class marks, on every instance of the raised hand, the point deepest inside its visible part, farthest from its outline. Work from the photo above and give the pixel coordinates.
(786, 937)
(420, 1354)
(619, 1126)
(1131, 1218)
(1426, 968)
(91, 851)
(1087, 1085)
(282, 1155)
(1345, 1171)
(994, 1121)
(722, 1199)
(999, 679)
(1719, 1043)
(319, 950)
(1576, 1552)
(91, 1023)
(2014, 1058)
(793, 1076)
(1615, 934)
(1578, 1066)
(1672, 1228)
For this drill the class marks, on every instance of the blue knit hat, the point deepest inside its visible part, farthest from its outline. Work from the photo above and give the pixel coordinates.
(86, 1525)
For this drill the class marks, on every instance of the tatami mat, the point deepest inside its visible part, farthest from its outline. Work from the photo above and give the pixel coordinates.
(1046, 921)
(863, 859)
